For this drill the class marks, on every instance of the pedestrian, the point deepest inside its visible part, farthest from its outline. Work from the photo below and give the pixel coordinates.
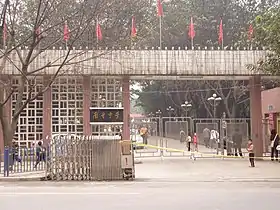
(206, 137)
(182, 136)
(195, 142)
(237, 142)
(188, 141)
(40, 153)
(250, 149)
(144, 134)
(15, 152)
(214, 136)
(274, 138)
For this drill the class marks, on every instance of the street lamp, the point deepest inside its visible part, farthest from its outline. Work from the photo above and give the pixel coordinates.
(215, 103)
(151, 114)
(169, 110)
(186, 106)
(158, 113)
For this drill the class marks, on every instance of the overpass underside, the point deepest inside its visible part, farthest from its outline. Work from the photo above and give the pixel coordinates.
(144, 64)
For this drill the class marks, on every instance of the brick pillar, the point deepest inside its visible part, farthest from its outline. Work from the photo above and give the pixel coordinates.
(256, 115)
(8, 116)
(126, 108)
(86, 105)
(47, 110)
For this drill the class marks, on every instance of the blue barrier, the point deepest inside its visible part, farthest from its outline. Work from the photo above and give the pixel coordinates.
(22, 160)
(6, 162)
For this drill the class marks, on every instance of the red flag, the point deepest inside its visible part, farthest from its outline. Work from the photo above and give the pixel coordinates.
(133, 28)
(250, 32)
(159, 8)
(38, 32)
(66, 33)
(191, 29)
(221, 33)
(98, 31)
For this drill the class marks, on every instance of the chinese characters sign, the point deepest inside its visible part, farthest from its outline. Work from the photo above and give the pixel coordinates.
(106, 115)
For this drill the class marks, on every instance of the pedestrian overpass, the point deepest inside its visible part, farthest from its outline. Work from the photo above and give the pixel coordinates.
(148, 64)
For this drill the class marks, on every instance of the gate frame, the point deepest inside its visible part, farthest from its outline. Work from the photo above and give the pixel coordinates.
(220, 128)
(153, 153)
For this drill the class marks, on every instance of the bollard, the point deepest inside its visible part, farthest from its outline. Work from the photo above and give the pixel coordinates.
(6, 161)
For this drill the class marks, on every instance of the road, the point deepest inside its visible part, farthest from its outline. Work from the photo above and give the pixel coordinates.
(140, 195)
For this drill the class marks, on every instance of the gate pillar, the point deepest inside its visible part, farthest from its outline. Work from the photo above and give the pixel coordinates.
(256, 114)
(47, 110)
(86, 105)
(126, 108)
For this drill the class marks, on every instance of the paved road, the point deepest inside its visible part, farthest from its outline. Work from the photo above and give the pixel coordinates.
(140, 195)
(171, 183)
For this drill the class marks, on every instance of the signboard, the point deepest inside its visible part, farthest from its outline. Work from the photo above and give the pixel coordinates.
(106, 115)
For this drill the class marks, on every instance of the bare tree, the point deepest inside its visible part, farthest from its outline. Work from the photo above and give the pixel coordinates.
(38, 27)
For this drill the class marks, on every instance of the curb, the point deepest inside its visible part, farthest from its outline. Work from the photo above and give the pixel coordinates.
(21, 179)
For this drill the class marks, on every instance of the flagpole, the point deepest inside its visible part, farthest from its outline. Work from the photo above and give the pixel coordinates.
(192, 42)
(4, 33)
(160, 32)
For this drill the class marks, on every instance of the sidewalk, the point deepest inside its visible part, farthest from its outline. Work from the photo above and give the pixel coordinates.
(203, 170)
(27, 176)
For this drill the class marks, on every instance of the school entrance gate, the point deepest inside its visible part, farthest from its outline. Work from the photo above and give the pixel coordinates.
(165, 140)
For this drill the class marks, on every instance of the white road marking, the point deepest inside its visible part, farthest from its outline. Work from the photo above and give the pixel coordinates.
(63, 193)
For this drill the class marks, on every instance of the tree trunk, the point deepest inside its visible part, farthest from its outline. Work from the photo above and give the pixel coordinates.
(6, 128)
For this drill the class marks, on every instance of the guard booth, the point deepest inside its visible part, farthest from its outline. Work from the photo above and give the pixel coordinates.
(107, 123)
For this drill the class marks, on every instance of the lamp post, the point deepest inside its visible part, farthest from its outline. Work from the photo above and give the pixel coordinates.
(186, 105)
(214, 101)
(159, 127)
(169, 110)
(158, 113)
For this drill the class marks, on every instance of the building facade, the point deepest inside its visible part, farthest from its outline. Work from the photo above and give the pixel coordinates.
(271, 107)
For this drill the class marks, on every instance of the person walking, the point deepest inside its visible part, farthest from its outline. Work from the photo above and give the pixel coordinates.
(195, 142)
(206, 137)
(214, 136)
(250, 149)
(40, 154)
(188, 141)
(274, 138)
(237, 142)
(182, 136)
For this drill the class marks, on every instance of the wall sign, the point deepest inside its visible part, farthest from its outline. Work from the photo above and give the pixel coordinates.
(106, 115)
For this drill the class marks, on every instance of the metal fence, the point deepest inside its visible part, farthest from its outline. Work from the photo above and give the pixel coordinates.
(226, 128)
(89, 158)
(15, 161)
(168, 134)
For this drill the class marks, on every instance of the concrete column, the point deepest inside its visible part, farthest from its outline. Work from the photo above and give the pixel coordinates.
(47, 110)
(126, 108)
(256, 115)
(8, 116)
(86, 105)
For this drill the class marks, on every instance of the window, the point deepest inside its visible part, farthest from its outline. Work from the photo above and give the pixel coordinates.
(67, 104)
(30, 124)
